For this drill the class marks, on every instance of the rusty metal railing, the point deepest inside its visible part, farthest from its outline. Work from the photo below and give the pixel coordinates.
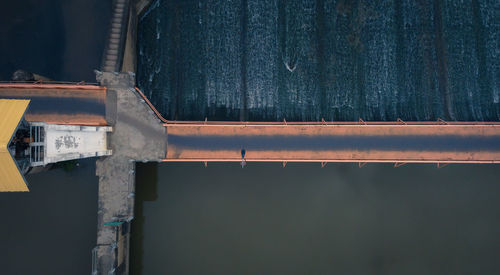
(146, 100)
(80, 83)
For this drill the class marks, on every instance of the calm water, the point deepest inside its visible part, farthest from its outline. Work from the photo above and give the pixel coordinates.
(62, 40)
(304, 60)
(52, 229)
(303, 219)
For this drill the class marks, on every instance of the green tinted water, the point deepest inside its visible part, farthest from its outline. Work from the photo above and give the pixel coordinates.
(305, 60)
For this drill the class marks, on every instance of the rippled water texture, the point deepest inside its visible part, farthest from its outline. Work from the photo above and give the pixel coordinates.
(306, 60)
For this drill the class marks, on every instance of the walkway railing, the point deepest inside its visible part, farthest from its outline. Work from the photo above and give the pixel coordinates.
(325, 123)
(50, 84)
(146, 100)
(398, 122)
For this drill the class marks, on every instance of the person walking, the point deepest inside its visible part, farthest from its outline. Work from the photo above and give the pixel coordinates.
(243, 162)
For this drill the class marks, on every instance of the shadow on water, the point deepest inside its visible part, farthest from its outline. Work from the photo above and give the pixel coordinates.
(147, 178)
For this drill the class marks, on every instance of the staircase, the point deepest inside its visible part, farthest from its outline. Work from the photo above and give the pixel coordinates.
(113, 53)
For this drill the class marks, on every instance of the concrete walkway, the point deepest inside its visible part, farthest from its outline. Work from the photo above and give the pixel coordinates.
(137, 135)
(403, 143)
(76, 104)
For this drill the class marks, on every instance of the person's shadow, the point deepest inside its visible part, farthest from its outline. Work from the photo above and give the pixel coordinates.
(243, 162)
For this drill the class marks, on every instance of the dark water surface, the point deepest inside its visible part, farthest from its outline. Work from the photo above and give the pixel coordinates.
(62, 40)
(310, 59)
(303, 219)
(52, 229)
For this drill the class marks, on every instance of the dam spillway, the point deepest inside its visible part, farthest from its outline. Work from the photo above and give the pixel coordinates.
(334, 59)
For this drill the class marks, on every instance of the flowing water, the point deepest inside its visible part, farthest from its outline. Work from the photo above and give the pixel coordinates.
(334, 59)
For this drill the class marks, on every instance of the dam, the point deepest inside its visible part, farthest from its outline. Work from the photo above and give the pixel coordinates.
(141, 134)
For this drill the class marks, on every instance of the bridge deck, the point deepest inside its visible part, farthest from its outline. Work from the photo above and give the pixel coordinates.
(60, 103)
(340, 142)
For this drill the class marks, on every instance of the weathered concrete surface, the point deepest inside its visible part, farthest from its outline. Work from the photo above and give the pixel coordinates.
(66, 142)
(129, 54)
(130, 49)
(115, 203)
(137, 135)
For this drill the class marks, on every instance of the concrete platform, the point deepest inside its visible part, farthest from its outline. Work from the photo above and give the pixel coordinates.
(138, 135)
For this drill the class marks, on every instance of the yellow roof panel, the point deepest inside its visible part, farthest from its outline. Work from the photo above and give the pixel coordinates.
(11, 179)
(11, 113)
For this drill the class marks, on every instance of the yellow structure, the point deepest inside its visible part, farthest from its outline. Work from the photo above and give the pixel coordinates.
(11, 113)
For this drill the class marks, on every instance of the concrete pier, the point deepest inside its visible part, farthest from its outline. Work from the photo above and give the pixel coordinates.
(137, 132)
(138, 136)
